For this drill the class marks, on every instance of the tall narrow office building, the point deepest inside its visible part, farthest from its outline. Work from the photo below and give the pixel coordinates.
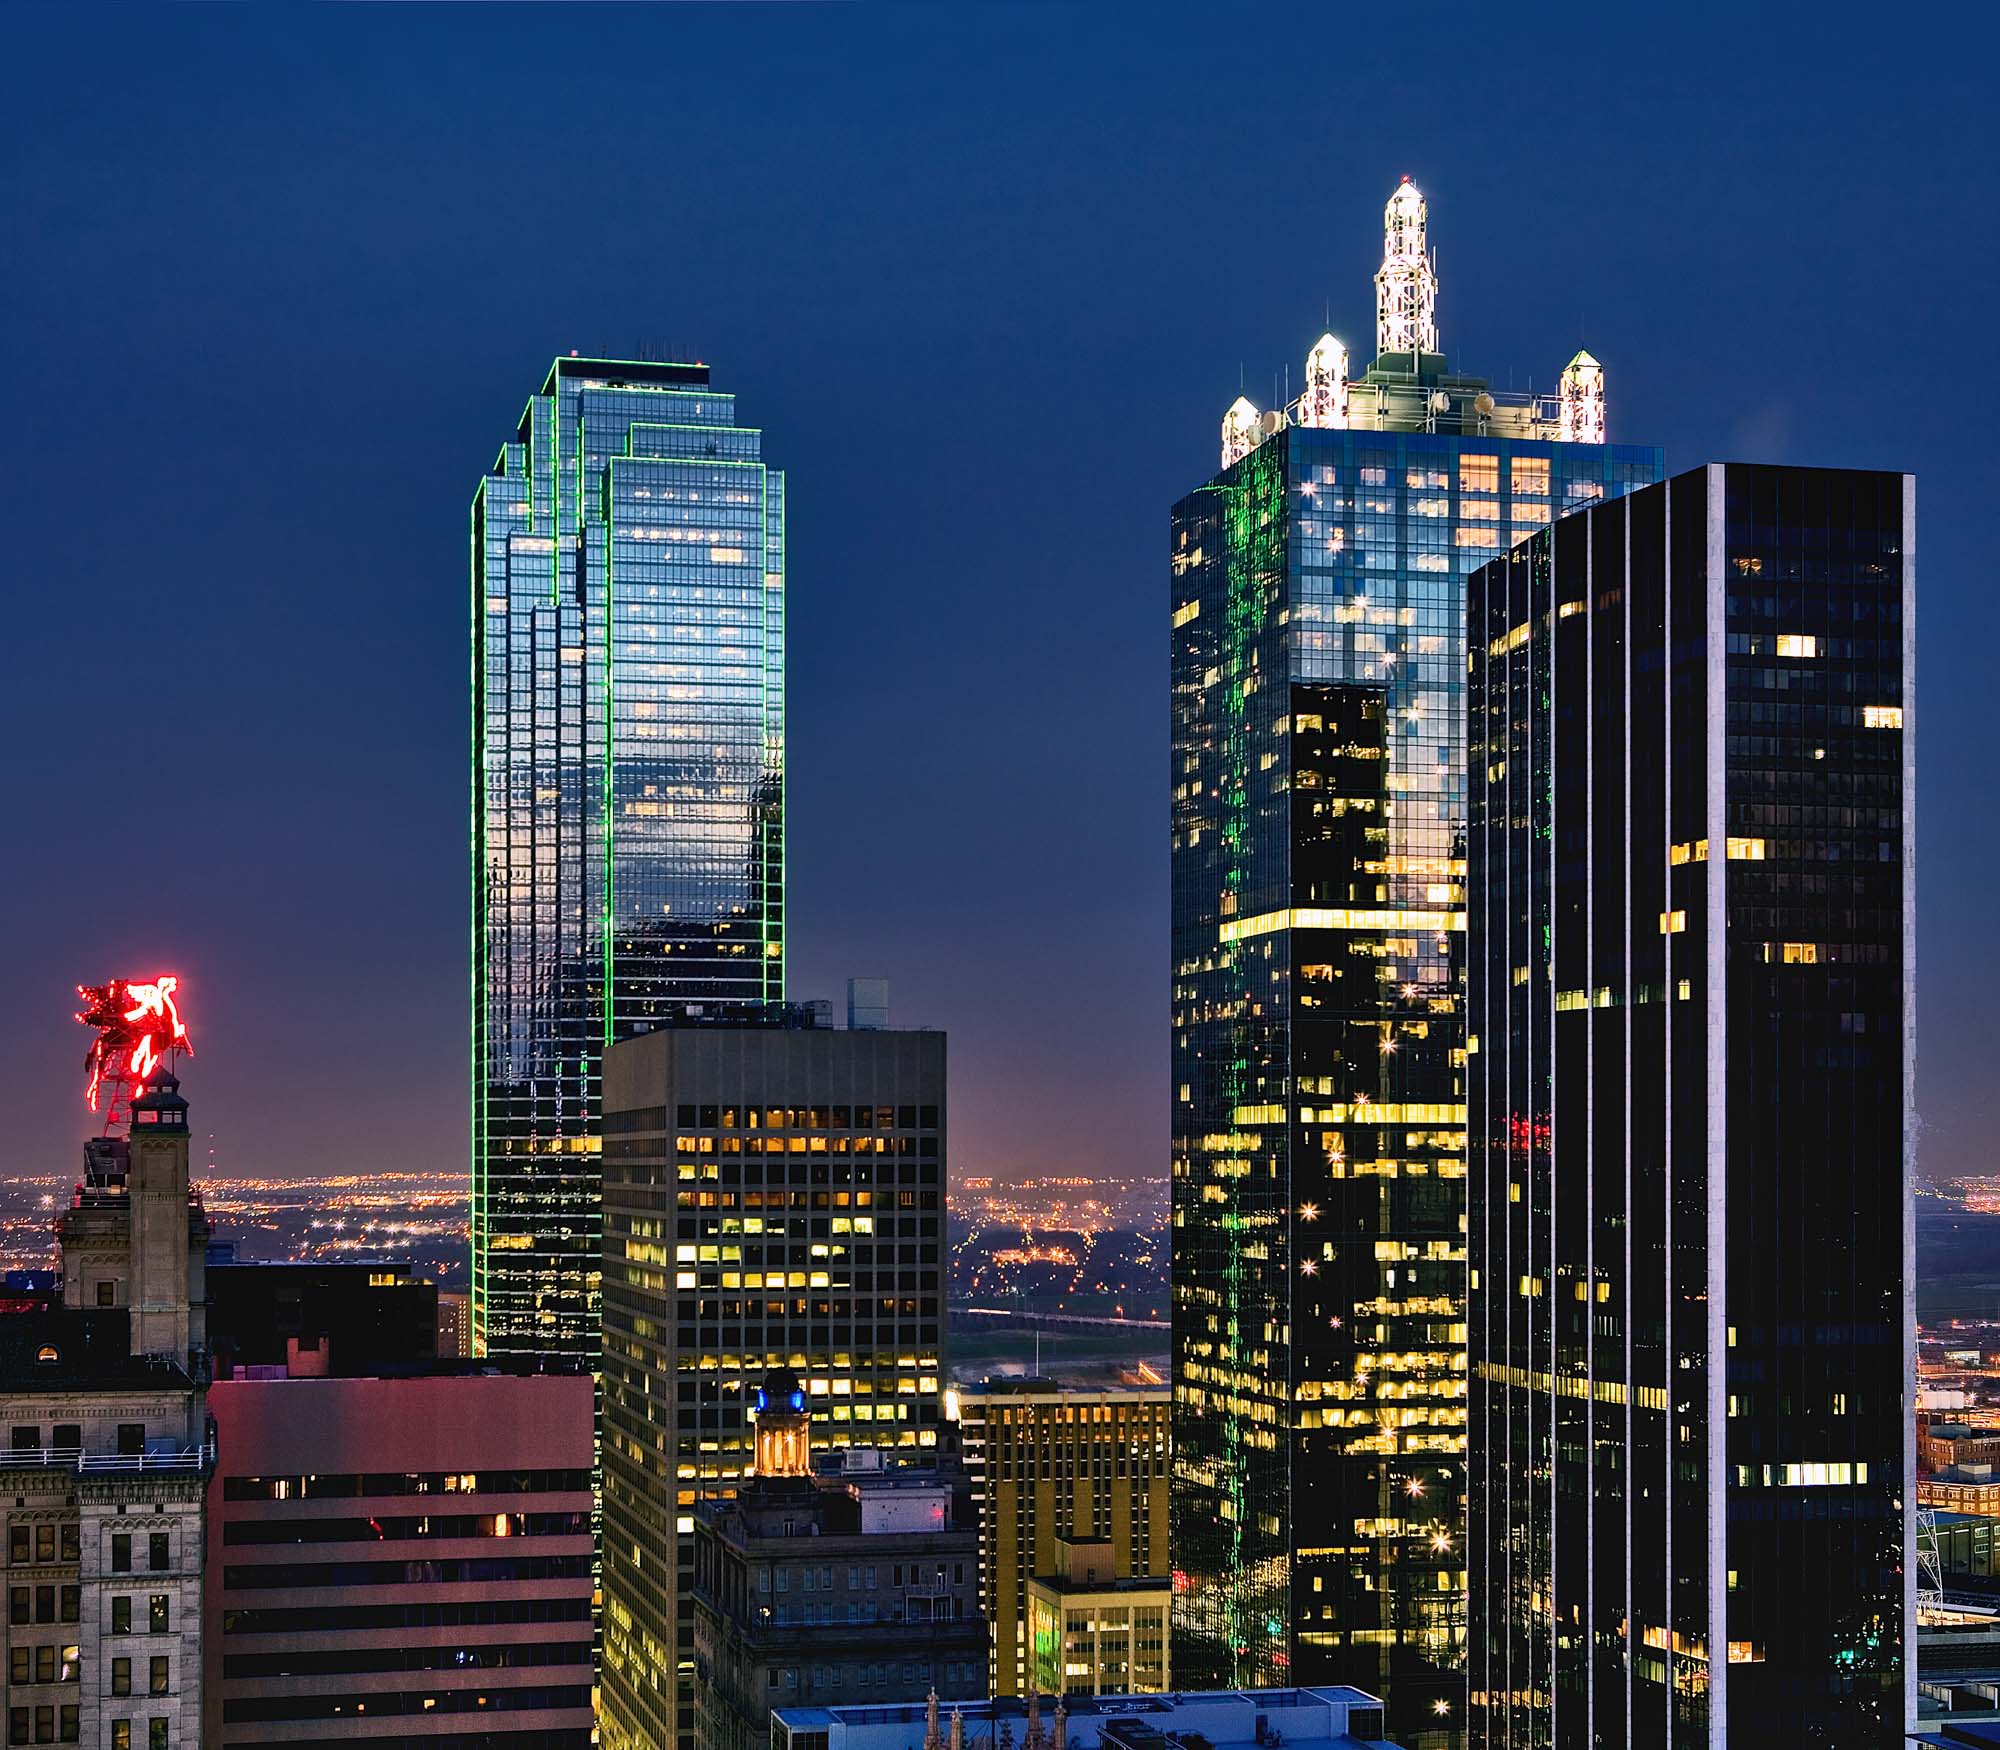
(773, 1199)
(1319, 1036)
(1690, 994)
(628, 681)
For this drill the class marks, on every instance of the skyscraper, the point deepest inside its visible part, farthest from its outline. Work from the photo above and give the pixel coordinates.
(1318, 931)
(773, 1198)
(1690, 1000)
(628, 676)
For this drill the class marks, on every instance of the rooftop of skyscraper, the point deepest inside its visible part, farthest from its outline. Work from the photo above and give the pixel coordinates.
(1410, 386)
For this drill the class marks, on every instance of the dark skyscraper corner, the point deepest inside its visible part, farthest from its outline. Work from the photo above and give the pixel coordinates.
(1690, 989)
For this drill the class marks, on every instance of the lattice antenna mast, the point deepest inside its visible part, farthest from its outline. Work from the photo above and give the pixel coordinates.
(1930, 1569)
(1406, 289)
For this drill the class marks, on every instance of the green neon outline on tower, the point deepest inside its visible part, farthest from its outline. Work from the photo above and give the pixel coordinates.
(627, 848)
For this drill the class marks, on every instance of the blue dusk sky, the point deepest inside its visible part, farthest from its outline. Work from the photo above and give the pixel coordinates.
(276, 283)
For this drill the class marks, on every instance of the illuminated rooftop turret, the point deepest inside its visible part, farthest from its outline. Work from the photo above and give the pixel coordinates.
(1239, 430)
(784, 1427)
(1582, 400)
(1411, 386)
(1406, 288)
(1324, 403)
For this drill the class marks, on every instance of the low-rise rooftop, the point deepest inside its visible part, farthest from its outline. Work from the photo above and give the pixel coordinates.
(1215, 1719)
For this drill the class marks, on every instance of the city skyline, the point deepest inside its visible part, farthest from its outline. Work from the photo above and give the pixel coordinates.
(294, 928)
(1526, 1347)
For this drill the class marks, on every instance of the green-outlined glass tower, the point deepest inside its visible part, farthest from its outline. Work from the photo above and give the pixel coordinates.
(1319, 1039)
(628, 687)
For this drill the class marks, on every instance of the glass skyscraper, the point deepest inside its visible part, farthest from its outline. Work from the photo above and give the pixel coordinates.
(1690, 1001)
(628, 681)
(1318, 825)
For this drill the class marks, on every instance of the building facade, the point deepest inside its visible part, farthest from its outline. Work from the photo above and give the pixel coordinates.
(628, 573)
(1976, 1495)
(1318, 825)
(109, 1452)
(1690, 992)
(401, 1561)
(353, 1317)
(773, 1197)
(837, 1586)
(1093, 1632)
(454, 1326)
(1955, 1447)
(1053, 1467)
(1968, 1550)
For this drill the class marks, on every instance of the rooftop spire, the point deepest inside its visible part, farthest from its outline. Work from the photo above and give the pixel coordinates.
(1324, 402)
(1239, 430)
(1582, 400)
(1406, 289)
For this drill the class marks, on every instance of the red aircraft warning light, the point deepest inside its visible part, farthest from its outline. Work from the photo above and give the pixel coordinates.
(139, 1033)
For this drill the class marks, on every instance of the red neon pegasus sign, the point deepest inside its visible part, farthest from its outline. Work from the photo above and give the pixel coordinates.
(139, 1032)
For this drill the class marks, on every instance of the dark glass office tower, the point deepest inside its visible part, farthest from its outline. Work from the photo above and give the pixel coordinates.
(1690, 1004)
(1319, 1050)
(628, 677)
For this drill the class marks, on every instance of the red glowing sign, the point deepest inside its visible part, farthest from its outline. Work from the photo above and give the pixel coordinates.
(1527, 1135)
(139, 1031)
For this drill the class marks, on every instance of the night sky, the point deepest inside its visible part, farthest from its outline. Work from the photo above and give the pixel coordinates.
(275, 286)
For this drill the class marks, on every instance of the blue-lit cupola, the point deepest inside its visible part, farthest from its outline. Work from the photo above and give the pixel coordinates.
(784, 1426)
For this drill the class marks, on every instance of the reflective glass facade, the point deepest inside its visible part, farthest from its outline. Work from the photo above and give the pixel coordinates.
(1689, 995)
(1319, 1050)
(628, 571)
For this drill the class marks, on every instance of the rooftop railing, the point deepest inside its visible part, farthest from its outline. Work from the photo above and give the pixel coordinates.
(156, 1458)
